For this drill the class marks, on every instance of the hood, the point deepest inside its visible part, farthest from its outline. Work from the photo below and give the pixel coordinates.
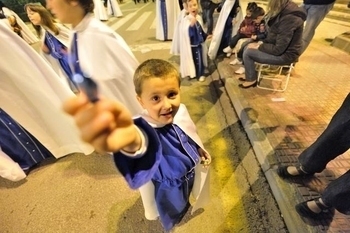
(294, 9)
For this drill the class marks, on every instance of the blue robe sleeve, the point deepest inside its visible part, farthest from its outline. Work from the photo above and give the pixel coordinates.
(138, 171)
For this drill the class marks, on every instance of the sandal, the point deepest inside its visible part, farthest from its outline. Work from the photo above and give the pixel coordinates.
(282, 171)
(304, 210)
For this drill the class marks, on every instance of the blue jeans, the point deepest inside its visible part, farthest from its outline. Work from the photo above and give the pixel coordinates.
(208, 15)
(250, 56)
(315, 14)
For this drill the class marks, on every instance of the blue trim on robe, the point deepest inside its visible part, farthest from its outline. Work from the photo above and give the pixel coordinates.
(19, 144)
(164, 17)
(56, 50)
(169, 163)
(197, 37)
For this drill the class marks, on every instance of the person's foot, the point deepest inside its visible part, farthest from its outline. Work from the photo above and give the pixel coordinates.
(292, 171)
(227, 50)
(246, 84)
(241, 70)
(201, 79)
(235, 62)
(314, 208)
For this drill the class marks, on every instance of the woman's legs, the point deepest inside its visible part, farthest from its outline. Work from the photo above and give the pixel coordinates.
(250, 56)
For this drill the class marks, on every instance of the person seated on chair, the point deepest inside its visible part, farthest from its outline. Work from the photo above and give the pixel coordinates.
(333, 142)
(283, 44)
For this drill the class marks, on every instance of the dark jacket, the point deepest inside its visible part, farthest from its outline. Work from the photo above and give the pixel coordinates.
(318, 2)
(284, 33)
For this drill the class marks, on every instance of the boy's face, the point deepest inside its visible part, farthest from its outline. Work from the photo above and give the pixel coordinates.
(61, 9)
(258, 19)
(161, 98)
(192, 7)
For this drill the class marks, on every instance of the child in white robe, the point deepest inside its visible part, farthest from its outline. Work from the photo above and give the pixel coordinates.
(113, 8)
(54, 39)
(101, 53)
(193, 50)
(32, 93)
(175, 45)
(26, 33)
(166, 16)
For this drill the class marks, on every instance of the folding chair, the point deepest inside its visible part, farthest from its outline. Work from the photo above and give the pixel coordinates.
(279, 74)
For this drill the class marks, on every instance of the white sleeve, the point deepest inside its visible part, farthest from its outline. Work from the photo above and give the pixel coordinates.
(143, 148)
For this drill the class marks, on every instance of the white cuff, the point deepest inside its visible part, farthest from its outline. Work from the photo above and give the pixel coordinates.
(144, 144)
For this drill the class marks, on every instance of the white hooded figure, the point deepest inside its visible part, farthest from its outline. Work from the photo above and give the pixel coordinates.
(113, 8)
(220, 27)
(167, 12)
(32, 93)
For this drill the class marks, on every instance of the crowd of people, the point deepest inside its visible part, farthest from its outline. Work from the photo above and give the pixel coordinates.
(90, 70)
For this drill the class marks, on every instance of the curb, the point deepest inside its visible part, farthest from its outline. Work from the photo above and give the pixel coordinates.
(282, 191)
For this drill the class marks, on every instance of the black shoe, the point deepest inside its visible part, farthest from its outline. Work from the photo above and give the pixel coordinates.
(283, 172)
(304, 211)
(251, 85)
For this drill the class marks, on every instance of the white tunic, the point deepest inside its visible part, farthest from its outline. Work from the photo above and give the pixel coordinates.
(32, 93)
(113, 8)
(175, 45)
(106, 58)
(172, 10)
(27, 34)
(220, 25)
(187, 67)
(100, 10)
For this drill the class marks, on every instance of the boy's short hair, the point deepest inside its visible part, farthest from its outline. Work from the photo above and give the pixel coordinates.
(259, 11)
(154, 68)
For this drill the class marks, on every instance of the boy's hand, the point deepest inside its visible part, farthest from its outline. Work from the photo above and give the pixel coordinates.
(106, 124)
(254, 37)
(193, 20)
(205, 157)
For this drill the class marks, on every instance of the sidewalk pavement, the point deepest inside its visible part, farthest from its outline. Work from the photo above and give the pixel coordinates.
(280, 131)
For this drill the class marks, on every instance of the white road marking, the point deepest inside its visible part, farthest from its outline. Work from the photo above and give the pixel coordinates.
(137, 24)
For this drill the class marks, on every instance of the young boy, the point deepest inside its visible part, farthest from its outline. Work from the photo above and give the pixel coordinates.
(159, 152)
(193, 51)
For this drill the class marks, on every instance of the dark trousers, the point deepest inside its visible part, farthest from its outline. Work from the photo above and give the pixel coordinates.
(208, 16)
(334, 141)
(234, 40)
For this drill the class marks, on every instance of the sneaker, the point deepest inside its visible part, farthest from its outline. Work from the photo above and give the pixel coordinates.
(228, 54)
(236, 62)
(227, 49)
(201, 79)
(241, 70)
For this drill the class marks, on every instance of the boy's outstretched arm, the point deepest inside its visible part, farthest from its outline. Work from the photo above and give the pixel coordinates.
(106, 124)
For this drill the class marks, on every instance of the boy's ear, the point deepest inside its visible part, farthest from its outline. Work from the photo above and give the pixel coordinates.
(139, 100)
